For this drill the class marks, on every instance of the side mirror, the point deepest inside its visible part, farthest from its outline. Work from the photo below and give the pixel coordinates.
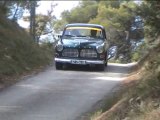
(59, 36)
(112, 52)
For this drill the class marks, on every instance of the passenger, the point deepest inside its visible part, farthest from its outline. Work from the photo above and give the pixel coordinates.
(93, 33)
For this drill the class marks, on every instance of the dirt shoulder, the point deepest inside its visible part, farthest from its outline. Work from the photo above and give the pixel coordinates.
(7, 81)
(121, 103)
(112, 102)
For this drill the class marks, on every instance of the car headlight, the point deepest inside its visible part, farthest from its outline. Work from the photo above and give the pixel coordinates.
(100, 49)
(59, 47)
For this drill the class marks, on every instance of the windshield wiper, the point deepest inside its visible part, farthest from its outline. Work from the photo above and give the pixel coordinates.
(69, 36)
(82, 36)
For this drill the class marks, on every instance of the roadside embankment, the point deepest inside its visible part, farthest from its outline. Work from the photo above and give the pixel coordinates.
(138, 98)
(19, 54)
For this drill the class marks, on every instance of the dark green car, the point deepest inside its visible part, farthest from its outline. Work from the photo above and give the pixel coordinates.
(82, 44)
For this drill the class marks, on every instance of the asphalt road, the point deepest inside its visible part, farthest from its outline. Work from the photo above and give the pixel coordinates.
(59, 94)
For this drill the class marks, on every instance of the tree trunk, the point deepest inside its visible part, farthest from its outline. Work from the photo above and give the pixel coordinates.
(128, 47)
(32, 19)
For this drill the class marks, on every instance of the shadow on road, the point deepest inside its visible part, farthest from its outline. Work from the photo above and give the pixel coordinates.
(81, 68)
(61, 94)
(112, 67)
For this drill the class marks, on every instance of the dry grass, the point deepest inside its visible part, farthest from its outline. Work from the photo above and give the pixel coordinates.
(120, 108)
(140, 98)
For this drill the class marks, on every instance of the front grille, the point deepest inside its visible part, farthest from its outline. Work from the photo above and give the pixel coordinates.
(88, 53)
(70, 53)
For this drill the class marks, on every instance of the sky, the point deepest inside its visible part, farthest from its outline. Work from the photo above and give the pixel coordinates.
(46, 5)
(62, 5)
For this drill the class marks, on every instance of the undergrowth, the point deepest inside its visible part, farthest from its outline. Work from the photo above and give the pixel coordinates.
(140, 100)
(18, 51)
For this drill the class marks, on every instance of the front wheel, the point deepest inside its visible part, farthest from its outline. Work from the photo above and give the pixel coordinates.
(106, 60)
(106, 63)
(59, 66)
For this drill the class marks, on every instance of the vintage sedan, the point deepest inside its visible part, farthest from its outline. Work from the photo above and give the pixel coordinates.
(82, 44)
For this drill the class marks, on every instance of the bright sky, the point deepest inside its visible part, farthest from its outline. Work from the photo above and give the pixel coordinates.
(46, 5)
(62, 5)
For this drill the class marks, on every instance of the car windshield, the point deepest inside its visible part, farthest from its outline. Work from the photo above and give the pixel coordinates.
(83, 32)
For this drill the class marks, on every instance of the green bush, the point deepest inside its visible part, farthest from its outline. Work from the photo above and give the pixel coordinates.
(139, 53)
(19, 53)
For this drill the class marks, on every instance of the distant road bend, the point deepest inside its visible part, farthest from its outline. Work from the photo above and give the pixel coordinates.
(59, 94)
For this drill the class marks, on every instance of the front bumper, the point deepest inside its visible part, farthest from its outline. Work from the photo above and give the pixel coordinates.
(77, 61)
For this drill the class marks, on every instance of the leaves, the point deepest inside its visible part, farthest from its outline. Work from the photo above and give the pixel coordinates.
(150, 11)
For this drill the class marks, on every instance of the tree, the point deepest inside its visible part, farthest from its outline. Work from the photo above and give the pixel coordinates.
(83, 13)
(59, 25)
(150, 12)
(118, 22)
(5, 7)
(43, 23)
(40, 24)
(32, 19)
(14, 9)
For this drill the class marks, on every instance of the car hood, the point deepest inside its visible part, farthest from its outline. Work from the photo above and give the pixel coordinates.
(81, 42)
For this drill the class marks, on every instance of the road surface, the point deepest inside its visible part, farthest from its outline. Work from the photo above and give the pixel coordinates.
(59, 94)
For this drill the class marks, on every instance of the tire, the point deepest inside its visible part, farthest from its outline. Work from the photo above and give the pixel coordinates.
(106, 63)
(101, 67)
(106, 60)
(59, 66)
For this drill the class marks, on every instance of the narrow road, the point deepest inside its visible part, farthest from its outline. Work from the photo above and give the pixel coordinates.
(59, 94)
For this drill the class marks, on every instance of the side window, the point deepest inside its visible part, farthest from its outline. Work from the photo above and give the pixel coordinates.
(96, 33)
(100, 34)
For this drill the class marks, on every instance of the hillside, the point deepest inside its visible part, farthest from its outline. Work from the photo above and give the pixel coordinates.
(19, 54)
(138, 98)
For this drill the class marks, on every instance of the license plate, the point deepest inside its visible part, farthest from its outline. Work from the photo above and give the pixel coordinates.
(81, 62)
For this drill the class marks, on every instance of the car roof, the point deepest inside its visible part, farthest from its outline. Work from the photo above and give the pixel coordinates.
(84, 25)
